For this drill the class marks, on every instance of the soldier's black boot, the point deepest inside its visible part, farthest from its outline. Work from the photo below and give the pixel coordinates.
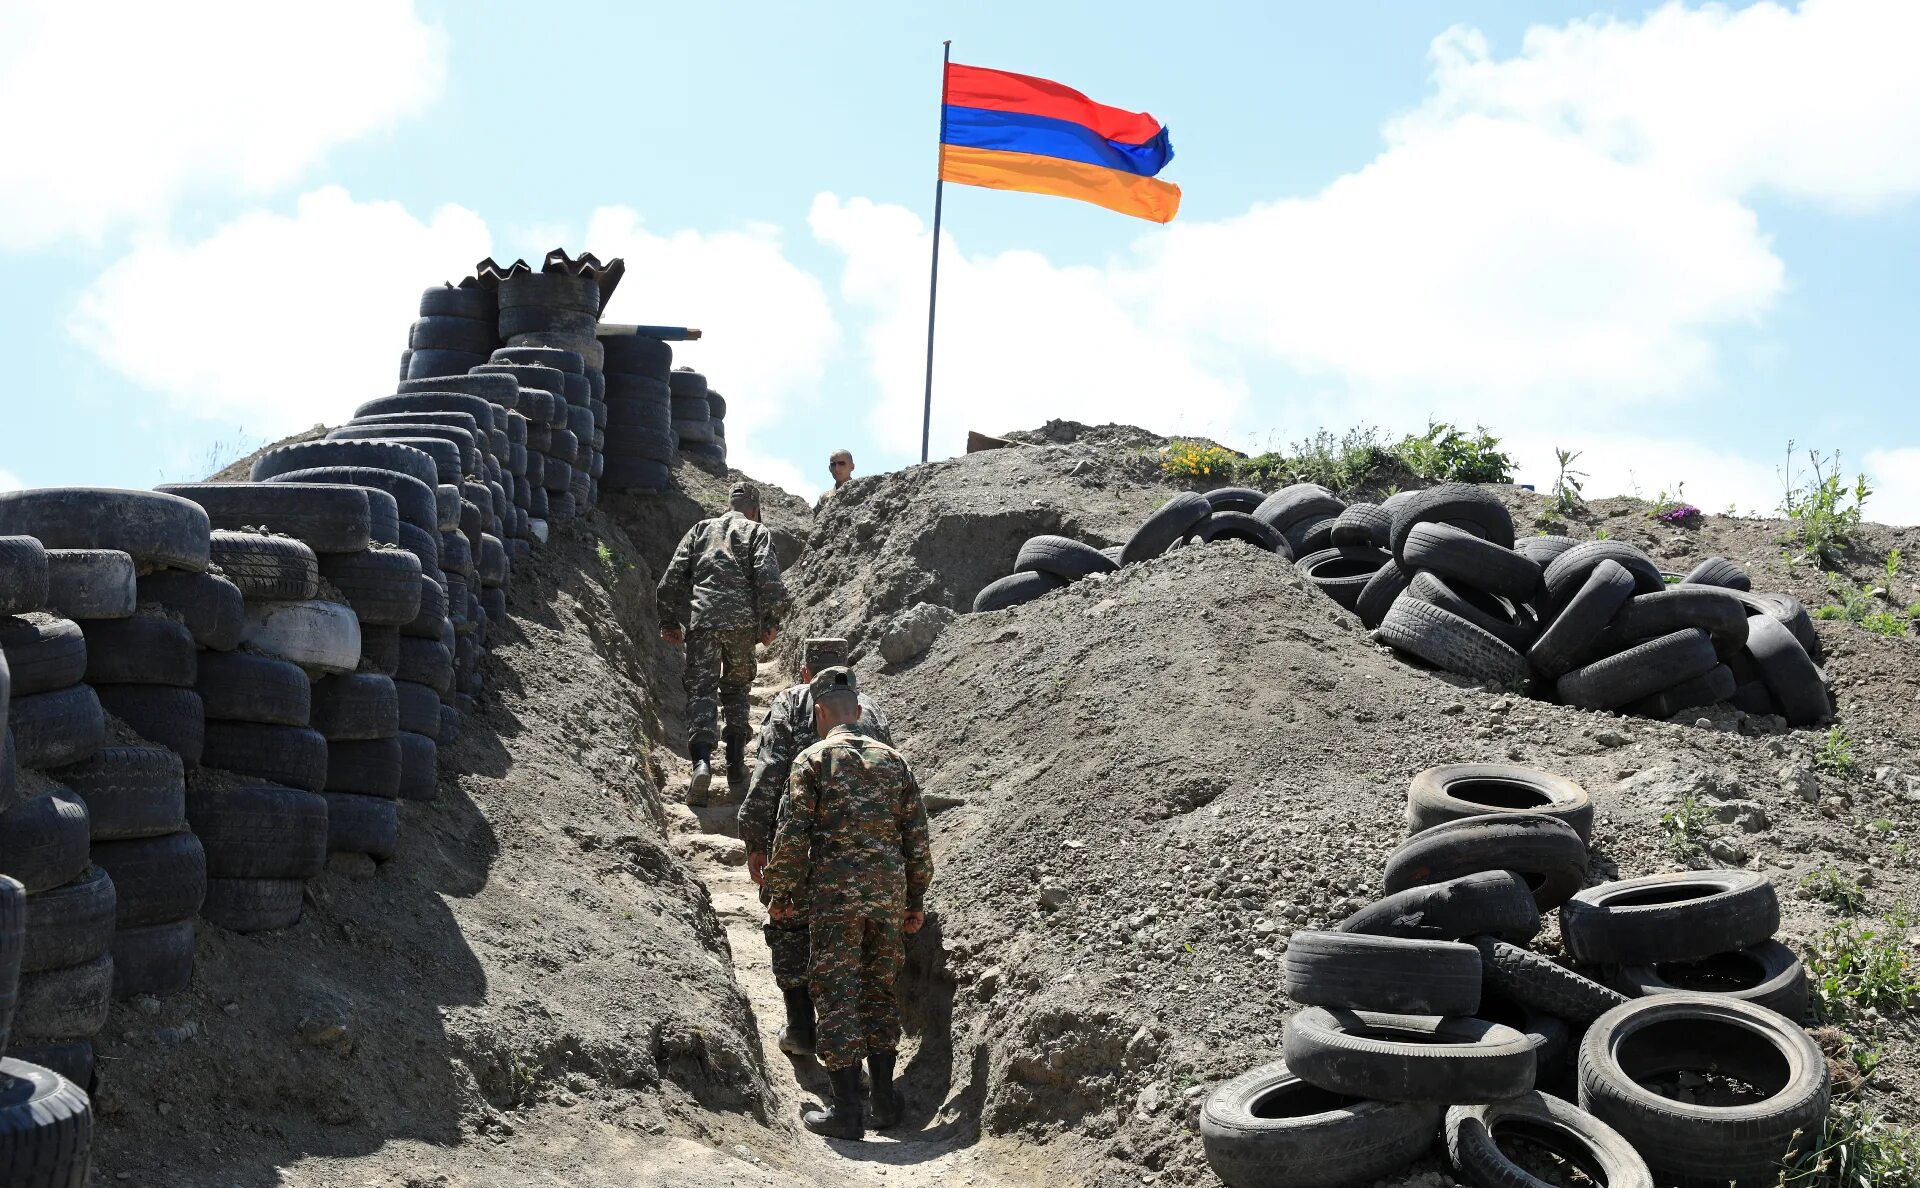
(702, 775)
(884, 1102)
(796, 1038)
(737, 769)
(846, 1115)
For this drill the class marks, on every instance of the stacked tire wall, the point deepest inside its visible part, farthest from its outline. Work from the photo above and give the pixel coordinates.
(282, 659)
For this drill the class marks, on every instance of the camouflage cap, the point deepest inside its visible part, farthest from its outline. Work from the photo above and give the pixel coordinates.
(744, 495)
(823, 653)
(833, 683)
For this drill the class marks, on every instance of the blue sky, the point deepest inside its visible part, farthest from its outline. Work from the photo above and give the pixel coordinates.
(1673, 237)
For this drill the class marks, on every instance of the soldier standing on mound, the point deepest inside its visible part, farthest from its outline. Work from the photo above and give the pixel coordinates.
(720, 595)
(787, 730)
(852, 852)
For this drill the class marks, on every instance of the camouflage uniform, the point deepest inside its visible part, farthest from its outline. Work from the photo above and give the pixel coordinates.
(787, 730)
(723, 585)
(852, 852)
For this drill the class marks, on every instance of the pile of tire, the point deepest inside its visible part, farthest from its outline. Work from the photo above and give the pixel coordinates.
(558, 308)
(46, 1121)
(693, 415)
(114, 879)
(1596, 624)
(640, 439)
(456, 330)
(1426, 1017)
(1282, 523)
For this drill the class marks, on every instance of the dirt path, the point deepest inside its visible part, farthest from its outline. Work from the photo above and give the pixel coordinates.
(937, 1144)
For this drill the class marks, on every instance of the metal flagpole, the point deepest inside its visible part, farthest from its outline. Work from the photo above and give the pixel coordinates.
(933, 281)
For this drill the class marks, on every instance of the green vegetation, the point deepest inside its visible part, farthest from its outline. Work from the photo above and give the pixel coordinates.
(1836, 888)
(1446, 455)
(1196, 460)
(1871, 607)
(1835, 756)
(1684, 827)
(1826, 513)
(613, 565)
(1566, 500)
(1359, 457)
(1867, 608)
(1858, 1149)
(1852, 967)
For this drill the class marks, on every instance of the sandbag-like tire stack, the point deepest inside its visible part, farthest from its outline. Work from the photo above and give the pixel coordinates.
(692, 415)
(456, 330)
(640, 441)
(55, 933)
(559, 307)
(717, 417)
(114, 916)
(46, 1121)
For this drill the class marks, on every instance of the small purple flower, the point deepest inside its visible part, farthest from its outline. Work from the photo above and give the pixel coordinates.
(1685, 515)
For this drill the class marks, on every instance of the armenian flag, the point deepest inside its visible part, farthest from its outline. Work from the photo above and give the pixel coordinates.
(1011, 131)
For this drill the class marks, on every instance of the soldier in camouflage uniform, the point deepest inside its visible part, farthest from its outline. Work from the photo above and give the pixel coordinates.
(852, 852)
(787, 730)
(721, 594)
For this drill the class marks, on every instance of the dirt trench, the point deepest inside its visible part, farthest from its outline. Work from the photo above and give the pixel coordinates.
(938, 1142)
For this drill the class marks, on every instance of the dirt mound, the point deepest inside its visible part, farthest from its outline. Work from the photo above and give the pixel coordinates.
(536, 959)
(1161, 773)
(937, 533)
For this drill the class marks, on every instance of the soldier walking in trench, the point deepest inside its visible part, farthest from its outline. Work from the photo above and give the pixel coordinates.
(787, 730)
(852, 852)
(720, 595)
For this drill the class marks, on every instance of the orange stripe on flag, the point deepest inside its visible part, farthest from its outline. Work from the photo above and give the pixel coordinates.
(997, 169)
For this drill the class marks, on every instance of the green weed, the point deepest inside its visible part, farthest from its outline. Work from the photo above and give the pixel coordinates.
(1868, 608)
(1835, 756)
(1684, 827)
(1852, 967)
(1566, 500)
(1602, 534)
(1444, 454)
(1826, 513)
(1364, 457)
(1835, 888)
(1857, 1149)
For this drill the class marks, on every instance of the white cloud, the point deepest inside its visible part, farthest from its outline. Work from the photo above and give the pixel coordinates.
(277, 321)
(114, 112)
(1020, 340)
(1895, 477)
(769, 327)
(10, 481)
(1818, 101)
(1708, 477)
(1546, 242)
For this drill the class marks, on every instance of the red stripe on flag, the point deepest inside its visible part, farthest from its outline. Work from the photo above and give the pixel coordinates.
(1002, 90)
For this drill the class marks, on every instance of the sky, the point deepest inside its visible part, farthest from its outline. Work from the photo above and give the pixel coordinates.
(1674, 238)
